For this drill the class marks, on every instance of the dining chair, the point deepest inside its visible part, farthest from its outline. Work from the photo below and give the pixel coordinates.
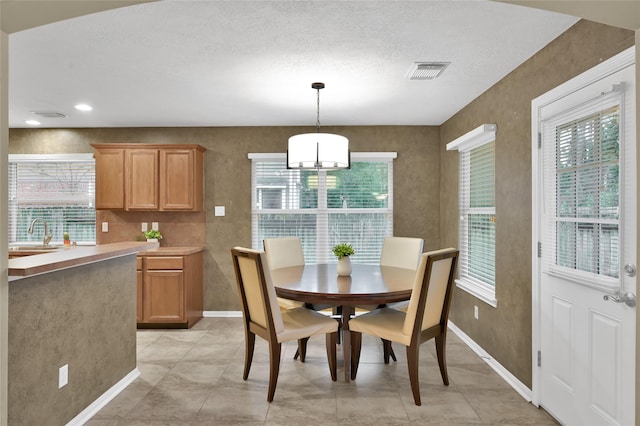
(262, 316)
(398, 252)
(284, 252)
(401, 252)
(281, 253)
(426, 317)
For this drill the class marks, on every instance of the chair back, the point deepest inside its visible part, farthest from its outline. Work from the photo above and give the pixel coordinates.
(257, 294)
(432, 291)
(283, 252)
(401, 252)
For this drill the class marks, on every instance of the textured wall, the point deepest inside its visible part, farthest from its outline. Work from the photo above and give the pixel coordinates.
(228, 183)
(84, 317)
(505, 331)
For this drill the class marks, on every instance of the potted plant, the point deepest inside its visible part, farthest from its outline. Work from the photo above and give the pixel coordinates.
(342, 252)
(153, 235)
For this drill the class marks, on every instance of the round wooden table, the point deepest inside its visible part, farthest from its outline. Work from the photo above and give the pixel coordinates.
(320, 285)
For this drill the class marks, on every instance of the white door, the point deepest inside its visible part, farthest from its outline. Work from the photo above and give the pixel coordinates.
(585, 208)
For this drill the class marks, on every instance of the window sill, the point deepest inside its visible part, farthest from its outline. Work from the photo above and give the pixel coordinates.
(486, 295)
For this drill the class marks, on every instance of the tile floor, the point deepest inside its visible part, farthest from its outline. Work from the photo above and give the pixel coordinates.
(194, 377)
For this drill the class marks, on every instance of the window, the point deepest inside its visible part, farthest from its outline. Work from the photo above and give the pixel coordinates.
(582, 189)
(57, 188)
(324, 208)
(477, 209)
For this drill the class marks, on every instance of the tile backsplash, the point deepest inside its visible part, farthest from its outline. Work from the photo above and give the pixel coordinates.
(177, 228)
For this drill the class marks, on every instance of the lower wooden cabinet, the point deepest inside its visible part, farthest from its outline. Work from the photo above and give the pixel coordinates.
(170, 293)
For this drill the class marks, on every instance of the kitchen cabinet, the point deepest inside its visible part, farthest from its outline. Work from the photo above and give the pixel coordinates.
(141, 179)
(170, 289)
(109, 178)
(152, 177)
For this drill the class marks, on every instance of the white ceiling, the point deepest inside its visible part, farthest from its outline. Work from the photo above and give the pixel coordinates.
(251, 63)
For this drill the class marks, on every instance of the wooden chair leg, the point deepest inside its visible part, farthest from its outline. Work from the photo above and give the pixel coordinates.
(413, 355)
(249, 342)
(387, 351)
(302, 349)
(356, 346)
(331, 341)
(274, 368)
(441, 349)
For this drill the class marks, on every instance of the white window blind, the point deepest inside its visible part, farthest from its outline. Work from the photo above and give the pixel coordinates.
(477, 209)
(581, 189)
(324, 208)
(57, 188)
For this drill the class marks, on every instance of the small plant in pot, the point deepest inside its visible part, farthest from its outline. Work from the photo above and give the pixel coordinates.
(342, 252)
(153, 235)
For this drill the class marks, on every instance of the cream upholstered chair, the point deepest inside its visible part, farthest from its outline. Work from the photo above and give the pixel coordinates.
(399, 252)
(282, 253)
(426, 317)
(263, 317)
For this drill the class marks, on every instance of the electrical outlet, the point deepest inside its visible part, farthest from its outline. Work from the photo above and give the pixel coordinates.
(144, 226)
(475, 312)
(63, 376)
(105, 226)
(154, 226)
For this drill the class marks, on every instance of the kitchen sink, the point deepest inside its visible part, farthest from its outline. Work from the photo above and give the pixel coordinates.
(33, 248)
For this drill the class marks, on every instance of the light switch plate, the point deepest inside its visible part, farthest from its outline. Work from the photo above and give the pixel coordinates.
(105, 226)
(219, 210)
(154, 226)
(144, 226)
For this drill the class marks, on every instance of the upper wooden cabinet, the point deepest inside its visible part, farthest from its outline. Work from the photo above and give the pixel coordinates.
(109, 178)
(152, 177)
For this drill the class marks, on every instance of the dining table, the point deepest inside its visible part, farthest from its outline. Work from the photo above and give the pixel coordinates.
(320, 284)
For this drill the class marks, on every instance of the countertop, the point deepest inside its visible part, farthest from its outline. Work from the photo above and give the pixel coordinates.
(74, 256)
(172, 251)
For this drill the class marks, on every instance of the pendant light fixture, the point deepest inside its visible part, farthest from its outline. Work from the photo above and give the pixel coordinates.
(318, 150)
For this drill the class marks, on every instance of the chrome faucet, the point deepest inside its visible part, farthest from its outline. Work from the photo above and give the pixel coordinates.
(47, 236)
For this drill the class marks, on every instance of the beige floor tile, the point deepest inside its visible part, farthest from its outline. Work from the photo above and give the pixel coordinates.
(194, 378)
(162, 403)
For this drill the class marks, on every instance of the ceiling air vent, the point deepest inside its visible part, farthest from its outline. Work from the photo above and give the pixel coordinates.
(48, 114)
(426, 70)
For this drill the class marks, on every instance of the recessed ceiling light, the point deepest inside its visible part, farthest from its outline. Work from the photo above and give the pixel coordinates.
(83, 107)
(32, 122)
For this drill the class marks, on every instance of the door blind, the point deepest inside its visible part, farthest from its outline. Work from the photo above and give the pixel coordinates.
(582, 186)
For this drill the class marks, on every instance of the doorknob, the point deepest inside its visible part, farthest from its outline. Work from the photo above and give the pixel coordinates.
(627, 298)
(630, 270)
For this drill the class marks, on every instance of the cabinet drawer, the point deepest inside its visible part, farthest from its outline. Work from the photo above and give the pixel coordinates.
(139, 263)
(164, 262)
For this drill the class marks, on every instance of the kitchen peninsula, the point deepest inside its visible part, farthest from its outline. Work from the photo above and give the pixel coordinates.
(73, 306)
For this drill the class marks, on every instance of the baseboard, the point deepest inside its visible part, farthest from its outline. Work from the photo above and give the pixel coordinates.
(516, 384)
(222, 314)
(91, 410)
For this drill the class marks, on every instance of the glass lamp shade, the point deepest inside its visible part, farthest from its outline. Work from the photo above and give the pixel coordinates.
(318, 151)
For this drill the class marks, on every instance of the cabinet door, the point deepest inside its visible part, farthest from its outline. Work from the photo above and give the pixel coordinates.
(109, 178)
(177, 179)
(164, 296)
(141, 168)
(139, 305)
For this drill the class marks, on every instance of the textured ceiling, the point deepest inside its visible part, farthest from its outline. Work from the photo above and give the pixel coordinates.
(251, 63)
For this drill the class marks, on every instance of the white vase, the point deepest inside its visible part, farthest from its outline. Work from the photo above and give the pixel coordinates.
(152, 240)
(344, 266)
